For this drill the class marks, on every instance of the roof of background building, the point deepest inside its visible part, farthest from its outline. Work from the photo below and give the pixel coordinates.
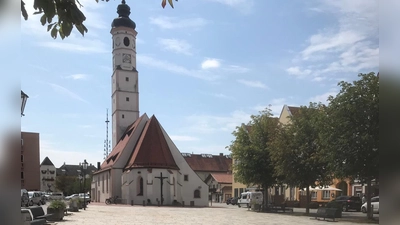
(72, 170)
(222, 178)
(47, 162)
(208, 162)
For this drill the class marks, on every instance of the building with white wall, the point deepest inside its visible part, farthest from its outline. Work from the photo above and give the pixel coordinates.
(47, 176)
(144, 165)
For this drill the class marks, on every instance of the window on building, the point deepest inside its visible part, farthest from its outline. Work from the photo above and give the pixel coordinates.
(186, 177)
(123, 116)
(126, 78)
(107, 183)
(240, 191)
(22, 175)
(236, 192)
(313, 195)
(326, 194)
(102, 183)
(196, 193)
(98, 181)
(127, 99)
(140, 186)
(173, 183)
(22, 158)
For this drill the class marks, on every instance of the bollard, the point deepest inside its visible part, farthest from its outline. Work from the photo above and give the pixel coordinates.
(183, 203)
(144, 203)
(131, 202)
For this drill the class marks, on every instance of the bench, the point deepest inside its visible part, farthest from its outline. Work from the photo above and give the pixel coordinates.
(283, 208)
(326, 213)
(38, 213)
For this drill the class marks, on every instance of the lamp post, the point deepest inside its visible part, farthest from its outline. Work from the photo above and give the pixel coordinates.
(84, 167)
(24, 97)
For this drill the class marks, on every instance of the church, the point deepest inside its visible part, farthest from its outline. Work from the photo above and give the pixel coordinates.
(144, 166)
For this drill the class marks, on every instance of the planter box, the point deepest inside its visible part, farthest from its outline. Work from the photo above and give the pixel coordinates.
(57, 214)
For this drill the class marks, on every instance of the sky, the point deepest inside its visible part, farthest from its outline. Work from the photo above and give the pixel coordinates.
(204, 68)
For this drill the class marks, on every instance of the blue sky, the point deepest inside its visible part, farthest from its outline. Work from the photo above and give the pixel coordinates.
(204, 68)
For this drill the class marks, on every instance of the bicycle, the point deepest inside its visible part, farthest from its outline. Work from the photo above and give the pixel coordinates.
(111, 200)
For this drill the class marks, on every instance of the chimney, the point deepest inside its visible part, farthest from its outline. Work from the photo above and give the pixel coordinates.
(221, 154)
(98, 165)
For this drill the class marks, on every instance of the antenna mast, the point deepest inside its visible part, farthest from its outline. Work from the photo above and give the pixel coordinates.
(107, 143)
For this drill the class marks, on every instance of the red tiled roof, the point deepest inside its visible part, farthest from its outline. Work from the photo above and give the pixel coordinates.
(151, 150)
(293, 110)
(217, 163)
(117, 151)
(222, 178)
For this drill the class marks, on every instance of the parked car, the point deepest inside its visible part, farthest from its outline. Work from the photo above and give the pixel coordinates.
(71, 196)
(24, 198)
(247, 197)
(87, 197)
(35, 198)
(349, 202)
(43, 197)
(56, 196)
(374, 204)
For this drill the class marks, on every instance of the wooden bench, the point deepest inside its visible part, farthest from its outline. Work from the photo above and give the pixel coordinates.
(38, 213)
(326, 213)
(283, 208)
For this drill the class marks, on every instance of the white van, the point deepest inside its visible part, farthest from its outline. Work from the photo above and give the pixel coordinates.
(247, 197)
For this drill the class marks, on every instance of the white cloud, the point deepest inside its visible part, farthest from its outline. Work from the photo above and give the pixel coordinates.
(210, 64)
(244, 6)
(165, 22)
(236, 69)
(72, 44)
(64, 91)
(296, 71)
(176, 45)
(183, 138)
(78, 76)
(212, 123)
(164, 65)
(256, 84)
(351, 46)
(223, 96)
(323, 97)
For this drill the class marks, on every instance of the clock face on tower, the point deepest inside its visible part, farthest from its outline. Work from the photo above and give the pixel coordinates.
(126, 58)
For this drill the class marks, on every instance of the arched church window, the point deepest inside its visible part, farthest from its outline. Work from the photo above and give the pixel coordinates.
(196, 193)
(140, 186)
(173, 182)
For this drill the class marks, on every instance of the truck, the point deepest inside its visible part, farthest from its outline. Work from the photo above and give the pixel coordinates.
(246, 198)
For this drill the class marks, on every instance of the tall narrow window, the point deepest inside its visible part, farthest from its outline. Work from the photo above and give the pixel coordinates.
(140, 186)
(123, 116)
(197, 194)
(22, 175)
(126, 78)
(173, 182)
(127, 99)
(102, 183)
(186, 177)
(107, 183)
(22, 158)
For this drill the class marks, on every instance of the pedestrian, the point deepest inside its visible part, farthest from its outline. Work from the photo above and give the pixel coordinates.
(363, 200)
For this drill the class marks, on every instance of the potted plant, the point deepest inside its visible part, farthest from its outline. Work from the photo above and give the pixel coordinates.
(56, 209)
(337, 206)
(74, 204)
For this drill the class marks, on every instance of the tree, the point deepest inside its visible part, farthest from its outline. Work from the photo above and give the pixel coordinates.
(68, 14)
(250, 149)
(296, 150)
(352, 132)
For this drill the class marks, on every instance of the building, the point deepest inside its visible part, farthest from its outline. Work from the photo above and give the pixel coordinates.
(144, 166)
(206, 164)
(47, 176)
(220, 186)
(30, 161)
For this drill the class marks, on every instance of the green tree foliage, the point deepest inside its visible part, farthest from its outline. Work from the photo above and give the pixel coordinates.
(352, 130)
(71, 185)
(296, 150)
(250, 149)
(60, 16)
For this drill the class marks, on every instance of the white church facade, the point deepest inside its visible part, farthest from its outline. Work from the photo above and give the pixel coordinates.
(145, 166)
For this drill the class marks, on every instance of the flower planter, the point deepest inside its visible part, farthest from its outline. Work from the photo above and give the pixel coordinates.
(57, 214)
(73, 206)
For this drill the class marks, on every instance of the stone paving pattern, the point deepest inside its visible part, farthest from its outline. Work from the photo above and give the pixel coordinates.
(101, 214)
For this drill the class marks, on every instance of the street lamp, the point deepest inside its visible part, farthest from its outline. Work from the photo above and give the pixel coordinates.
(84, 168)
(24, 97)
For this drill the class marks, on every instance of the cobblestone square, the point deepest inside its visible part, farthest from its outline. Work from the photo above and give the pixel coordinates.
(99, 214)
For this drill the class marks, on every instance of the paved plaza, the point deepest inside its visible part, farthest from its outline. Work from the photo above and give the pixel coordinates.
(99, 213)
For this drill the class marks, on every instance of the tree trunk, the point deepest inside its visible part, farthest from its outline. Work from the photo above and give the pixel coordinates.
(308, 200)
(266, 198)
(369, 195)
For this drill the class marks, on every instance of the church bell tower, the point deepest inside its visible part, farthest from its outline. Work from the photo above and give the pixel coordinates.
(125, 86)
